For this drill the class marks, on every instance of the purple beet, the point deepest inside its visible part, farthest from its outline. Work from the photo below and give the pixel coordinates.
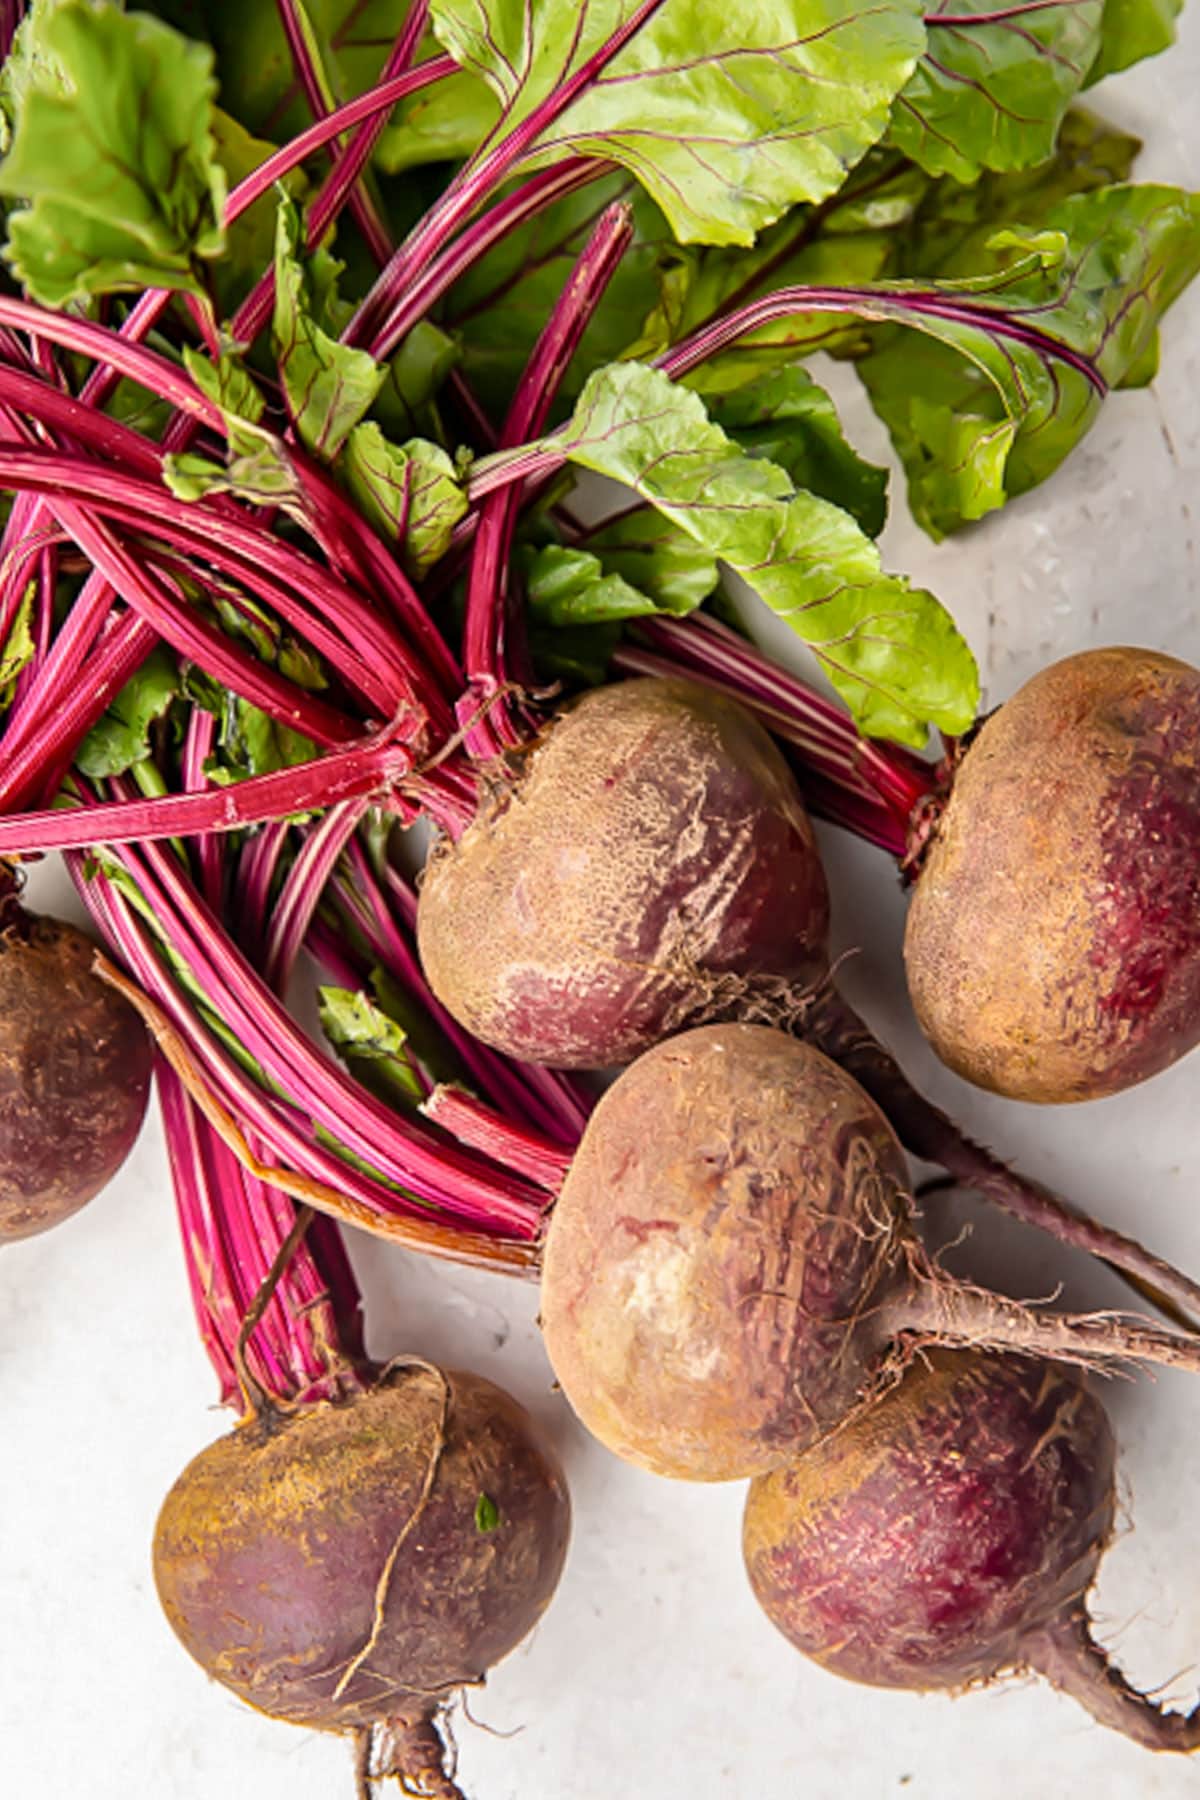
(1053, 942)
(651, 860)
(353, 1565)
(75, 1065)
(731, 1266)
(949, 1533)
(653, 867)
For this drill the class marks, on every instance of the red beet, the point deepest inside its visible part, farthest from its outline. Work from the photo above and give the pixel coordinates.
(1053, 941)
(354, 1564)
(75, 1065)
(650, 861)
(731, 1265)
(653, 867)
(948, 1533)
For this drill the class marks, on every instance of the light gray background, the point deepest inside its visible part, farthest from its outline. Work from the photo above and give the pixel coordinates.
(653, 1673)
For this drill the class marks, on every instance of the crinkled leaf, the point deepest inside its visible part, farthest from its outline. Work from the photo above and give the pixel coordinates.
(122, 737)
(370, 1042)
(114, 152)
(328, 387)
(993, 85)
(977, 415)
(258, 467)
(787, 418)
(264, 477)
(19, 646)
(656, 558)
(1089, 154)
(727, 115)
(566, 587)
(892, 651)
(412, 492)
(1134, 29)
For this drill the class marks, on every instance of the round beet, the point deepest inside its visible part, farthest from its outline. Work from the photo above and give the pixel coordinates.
(1053, 941)
(731, 1265)
(355, 1564)
(651, 858)
(947, 1533)
(75, 1065)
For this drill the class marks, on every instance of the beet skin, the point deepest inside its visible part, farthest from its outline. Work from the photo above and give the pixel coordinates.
(651, 860)
(919, 1546)
(356, 1563)
(1053, 941)
(948, 1534)
(75, 1065)
(731, 1266)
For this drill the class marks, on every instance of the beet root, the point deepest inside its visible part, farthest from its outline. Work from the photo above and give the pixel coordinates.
(652, 859)
(949, 1533)
(1053, 940)
(731, 1266)
(353, 1565)
(75, 1064)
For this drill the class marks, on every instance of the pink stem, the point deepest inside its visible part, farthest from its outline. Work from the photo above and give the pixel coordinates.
(471, 186)
(364, 213)
(533, 196)
(472, 1123)
(356, 773)
(301, 895)
(494, 649)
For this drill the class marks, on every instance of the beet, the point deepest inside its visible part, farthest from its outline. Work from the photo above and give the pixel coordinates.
(651, 858)
(74, 1074)
(731, 1266)
(949, 1532)
(1053, 941)
(654, 867)
(354, 1564)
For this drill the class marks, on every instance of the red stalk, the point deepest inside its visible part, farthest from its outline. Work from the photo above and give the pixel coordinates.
(494, 651)
(371, 324)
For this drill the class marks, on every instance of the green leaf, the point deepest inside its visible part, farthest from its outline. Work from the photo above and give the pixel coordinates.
(656, 558)
(251, 742)
(568, 587)
(891, 651)
(407, 402)
(122, 737)
(114, 153)
(412, 492)
(1134, 29)
(363, 1034)
(785, 417)
(258, 467)
(978, 417)
(441, 123)
(1089, 154)
(727, 115)
(328, 387)
(258, 82)
(487, 1513)
(991, 94)
(19, 646)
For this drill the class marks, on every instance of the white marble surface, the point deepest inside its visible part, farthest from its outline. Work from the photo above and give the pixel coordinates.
(653, 1673)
